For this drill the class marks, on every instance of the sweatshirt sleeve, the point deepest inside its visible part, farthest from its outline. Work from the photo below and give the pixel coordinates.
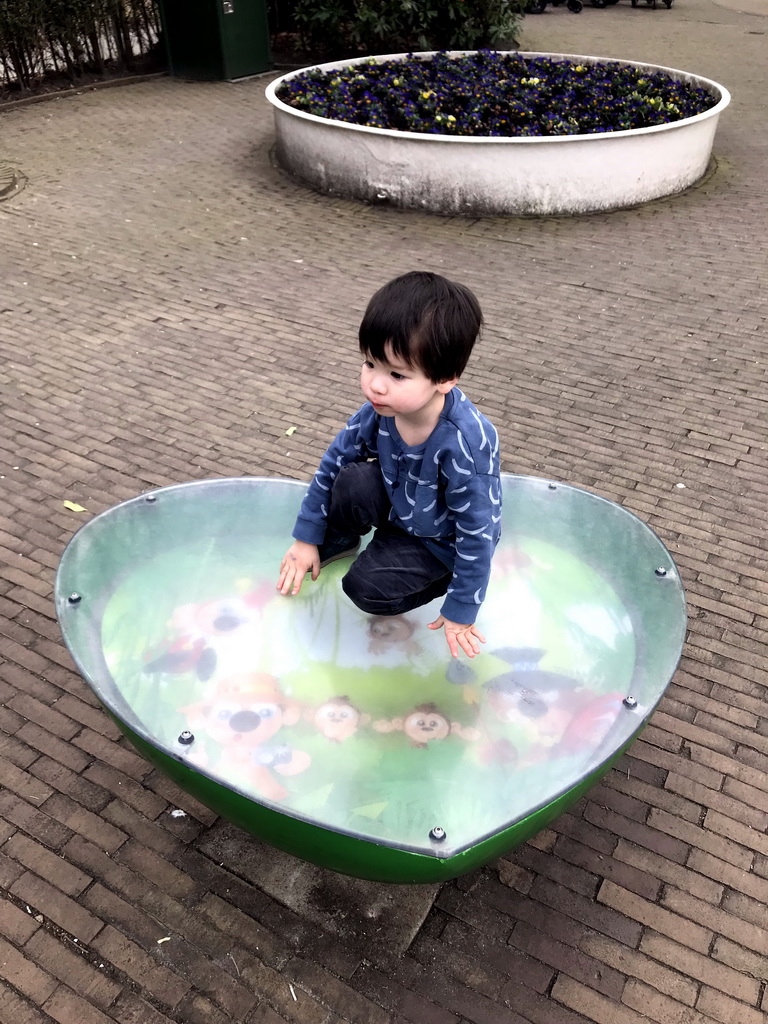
(476, 504)
(472, 473)
(355, 442)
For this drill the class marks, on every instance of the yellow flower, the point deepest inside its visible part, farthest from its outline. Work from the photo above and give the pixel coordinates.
(426, 95)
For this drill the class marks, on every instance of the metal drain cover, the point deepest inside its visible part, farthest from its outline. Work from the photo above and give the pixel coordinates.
(11, 181)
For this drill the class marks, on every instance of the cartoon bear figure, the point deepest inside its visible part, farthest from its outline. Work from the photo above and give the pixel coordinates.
(243, 713)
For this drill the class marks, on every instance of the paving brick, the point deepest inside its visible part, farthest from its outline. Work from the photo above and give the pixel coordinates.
(88, 715)
(71, 967)
(717, 845)
(98, 863)
(593, 1005)
(16, 1010)
(683, 931)
(46, 717)
(25, 976)
(15, 752)
(290, 1001)
(130, 1008)
(51, 746)
(717, 920)
(33, 821)
(54, 867)
(53, 904)
(249, 933)
(155, 867)
(701, 967)
(645, 835)
(148, 833)
(568, 960)
(61, 778)
(560, 871)
(636, 964)
(179, 799)
(333, 992)
(20, 783)
(197, 1009)
(644, 883)
(126, 788)
(659, 1007)
(126, 956)
(26, 682)
(66, 1006)
(112, 753)
(90, 826)
(727, 1010)
(736, 831)
(15, 925)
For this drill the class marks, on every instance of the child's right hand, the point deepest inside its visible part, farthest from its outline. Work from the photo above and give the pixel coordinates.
(299, 559)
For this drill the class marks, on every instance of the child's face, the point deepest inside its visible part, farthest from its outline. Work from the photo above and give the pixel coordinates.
(396, 389)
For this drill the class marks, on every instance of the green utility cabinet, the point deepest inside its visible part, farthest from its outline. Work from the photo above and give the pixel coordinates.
(216, 39)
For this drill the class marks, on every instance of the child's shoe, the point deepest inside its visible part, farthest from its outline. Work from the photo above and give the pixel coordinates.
(337, 545)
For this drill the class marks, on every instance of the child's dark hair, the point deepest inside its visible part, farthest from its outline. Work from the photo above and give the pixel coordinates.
(429, 322)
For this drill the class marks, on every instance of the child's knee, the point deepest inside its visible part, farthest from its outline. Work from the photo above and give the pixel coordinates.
(358, 588)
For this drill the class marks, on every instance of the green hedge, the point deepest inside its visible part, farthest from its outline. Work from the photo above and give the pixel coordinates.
(341, 27)
(40, 39)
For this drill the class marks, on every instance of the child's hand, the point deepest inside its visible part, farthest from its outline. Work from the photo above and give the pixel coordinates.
(459, 634)
(299, 559)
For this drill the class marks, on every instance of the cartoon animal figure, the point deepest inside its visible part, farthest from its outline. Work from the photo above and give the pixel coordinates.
(177, 657)
(425, 725)
(198, 632)
(589, 727)
(499, 751)
(462, 675)
(338, 719)
(244, 713)
(387, 631)
(510, 560)
(541, 703)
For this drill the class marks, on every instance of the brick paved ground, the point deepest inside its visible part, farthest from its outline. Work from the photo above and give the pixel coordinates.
(168, 304)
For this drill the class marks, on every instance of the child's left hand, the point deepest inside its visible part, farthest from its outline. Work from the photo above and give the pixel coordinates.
(459, 634)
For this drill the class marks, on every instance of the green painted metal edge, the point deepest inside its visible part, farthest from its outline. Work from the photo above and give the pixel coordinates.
(348, 854)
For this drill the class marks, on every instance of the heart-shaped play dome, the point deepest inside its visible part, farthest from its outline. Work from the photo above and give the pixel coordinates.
(354, 741)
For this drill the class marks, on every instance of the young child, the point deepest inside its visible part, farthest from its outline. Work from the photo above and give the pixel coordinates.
(417, 462)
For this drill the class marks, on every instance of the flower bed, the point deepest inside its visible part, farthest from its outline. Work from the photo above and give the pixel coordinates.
(442, 167)
(495, 94)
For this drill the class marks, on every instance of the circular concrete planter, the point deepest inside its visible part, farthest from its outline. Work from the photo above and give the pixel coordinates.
(451, 174)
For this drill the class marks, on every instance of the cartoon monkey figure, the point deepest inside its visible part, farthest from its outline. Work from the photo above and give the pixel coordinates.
(338, 719)
(425, 725)
(387, 631)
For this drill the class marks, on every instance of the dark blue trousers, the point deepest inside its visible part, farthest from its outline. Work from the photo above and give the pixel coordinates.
(396, 572)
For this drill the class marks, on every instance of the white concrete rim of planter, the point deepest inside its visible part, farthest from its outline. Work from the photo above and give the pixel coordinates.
(683, 76)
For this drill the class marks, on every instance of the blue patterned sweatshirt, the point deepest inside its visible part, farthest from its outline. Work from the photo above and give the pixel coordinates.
(446, 491)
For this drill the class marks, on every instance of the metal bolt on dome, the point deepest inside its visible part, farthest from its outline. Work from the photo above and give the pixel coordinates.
(437, 833)
(630, 702)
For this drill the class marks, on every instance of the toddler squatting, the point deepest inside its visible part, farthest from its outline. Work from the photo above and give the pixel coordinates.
(417, 463)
